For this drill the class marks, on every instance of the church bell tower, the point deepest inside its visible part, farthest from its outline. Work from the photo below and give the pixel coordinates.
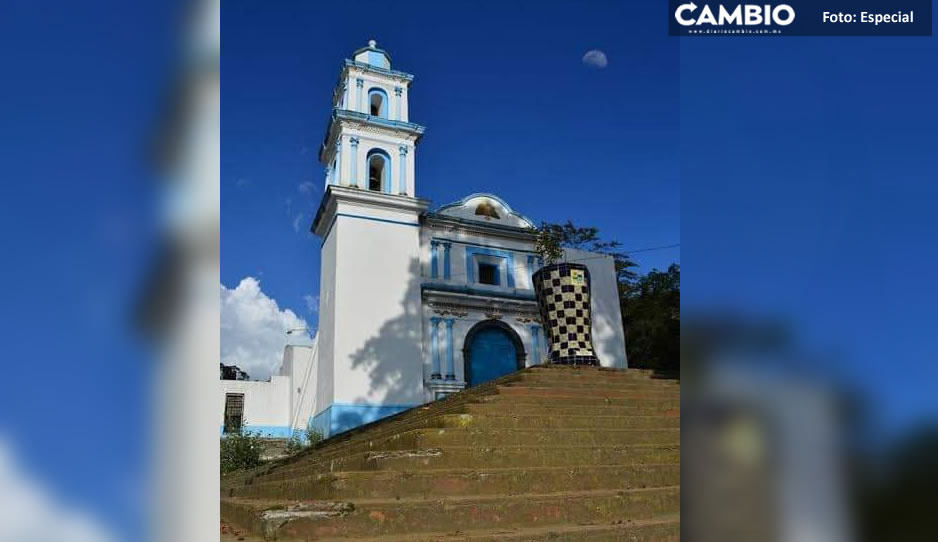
(370, 333)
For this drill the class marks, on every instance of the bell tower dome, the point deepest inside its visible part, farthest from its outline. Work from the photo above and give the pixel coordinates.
(370, 142)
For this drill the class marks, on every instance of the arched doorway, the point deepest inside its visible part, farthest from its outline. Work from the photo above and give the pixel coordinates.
(491, 349)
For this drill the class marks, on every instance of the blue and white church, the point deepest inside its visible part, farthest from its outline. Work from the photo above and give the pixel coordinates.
(415, 303)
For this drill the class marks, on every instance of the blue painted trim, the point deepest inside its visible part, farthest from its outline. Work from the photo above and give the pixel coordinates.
(340, 417)
(375, 49)
(446, 273)
(435, 347)
(402, 175)
(507, 255)
(347, 114)
(480, 245)
(450, 364)
(346, 215)
(384, 71)
(522, 295)
(385, 220)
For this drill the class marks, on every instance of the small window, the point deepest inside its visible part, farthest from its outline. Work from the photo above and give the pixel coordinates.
(377, 103)
(234, 412)
(488, 274)
(378, 172)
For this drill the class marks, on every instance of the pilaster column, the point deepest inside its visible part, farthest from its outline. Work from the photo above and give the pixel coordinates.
(450, 365)
(359, 84)
(402, 177)
(397, 103)
(435, 348)
(353, 141)
(531, 269)
(328, 175)
(434, 249)
(535, 345)
(337, 172)
(446, 273)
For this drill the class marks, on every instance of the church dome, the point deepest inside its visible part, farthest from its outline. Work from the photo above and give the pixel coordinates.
(371, 55)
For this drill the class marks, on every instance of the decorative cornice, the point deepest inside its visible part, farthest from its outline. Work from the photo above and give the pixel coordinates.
(460, 300)
(452, 223)
(367, 198)
(368, 123)
(401, 76)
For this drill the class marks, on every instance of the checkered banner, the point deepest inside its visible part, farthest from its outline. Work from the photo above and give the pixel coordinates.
(563, 295)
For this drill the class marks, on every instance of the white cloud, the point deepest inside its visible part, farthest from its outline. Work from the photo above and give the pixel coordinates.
(312, 303)
(253, 329)
(306, 187)
(28, 511)
(596, 59)
(297, 222)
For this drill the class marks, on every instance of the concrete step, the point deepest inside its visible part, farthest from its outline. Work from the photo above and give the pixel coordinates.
(600, 372)
(423, 439)
(590, 382)
(462, 482)
(595, 392)
(361, 518)
(541, 421)
(482, 438)
(579, 399)
(496, 407)
(665, 528)
(474, 457)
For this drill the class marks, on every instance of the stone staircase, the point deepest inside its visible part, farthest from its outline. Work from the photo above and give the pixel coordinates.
(547, 453)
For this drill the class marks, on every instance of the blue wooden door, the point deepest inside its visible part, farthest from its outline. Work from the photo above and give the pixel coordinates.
(491, 355)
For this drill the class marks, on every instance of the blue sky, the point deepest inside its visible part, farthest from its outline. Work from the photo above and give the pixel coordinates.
(509, 106)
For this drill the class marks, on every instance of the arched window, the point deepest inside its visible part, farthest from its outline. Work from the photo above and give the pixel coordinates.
(379, 171)
(377, 103)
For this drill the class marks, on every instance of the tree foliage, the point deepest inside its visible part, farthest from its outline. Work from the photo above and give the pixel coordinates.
(651, 303)
(651, 310)
(241, 450)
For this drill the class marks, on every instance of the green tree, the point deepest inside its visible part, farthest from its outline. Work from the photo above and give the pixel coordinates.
(651, 310)
(241, 450)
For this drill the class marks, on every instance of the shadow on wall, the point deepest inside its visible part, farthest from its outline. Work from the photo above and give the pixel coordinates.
(393, 359)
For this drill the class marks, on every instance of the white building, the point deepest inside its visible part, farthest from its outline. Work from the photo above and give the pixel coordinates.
(415, 304)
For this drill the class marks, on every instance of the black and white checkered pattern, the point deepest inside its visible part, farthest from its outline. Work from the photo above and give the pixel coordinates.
(565, 311)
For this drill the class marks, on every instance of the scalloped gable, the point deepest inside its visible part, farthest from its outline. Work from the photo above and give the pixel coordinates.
(486, 208)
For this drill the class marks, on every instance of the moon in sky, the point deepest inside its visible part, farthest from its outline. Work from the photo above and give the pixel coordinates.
(595, 59)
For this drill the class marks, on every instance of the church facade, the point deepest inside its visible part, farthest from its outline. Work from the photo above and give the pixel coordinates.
(417, 304)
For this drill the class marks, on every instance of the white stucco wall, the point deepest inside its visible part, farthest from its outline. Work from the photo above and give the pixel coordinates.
(266, 404)
(608, 333)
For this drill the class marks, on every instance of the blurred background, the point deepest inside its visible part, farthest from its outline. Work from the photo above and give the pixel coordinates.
(808, 223)
(109, 227)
